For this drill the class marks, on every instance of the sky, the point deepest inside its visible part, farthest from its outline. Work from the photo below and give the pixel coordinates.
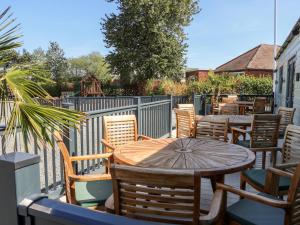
(222, 30)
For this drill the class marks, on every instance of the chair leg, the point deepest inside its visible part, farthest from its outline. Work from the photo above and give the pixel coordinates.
(244, 135)
(242, 184)
(222, 219)
(263, 160)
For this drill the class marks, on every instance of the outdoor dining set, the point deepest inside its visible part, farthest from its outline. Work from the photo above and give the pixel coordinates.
(159, 180)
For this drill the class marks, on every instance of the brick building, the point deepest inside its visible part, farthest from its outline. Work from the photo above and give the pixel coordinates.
(196, 74)
(258, 61)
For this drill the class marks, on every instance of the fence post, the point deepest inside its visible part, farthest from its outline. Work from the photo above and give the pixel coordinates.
(69, 132)
(137, 101)
(171, 116)
(19, 178)
(194, 99)
(204, 104)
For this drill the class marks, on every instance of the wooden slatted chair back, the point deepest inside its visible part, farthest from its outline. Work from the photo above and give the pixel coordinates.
(214, 105)
(293, 214)
(259, 105)
(216, 129)
(184, 123)
(120, 130)
(229, 109)
(143, 193)
(264, 131)
(287, 117)
(291, 145)
(188, 107)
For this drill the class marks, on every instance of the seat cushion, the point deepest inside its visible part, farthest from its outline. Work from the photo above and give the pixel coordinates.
(244, 143)
(93, 193)
(248, 212)
(258, 176)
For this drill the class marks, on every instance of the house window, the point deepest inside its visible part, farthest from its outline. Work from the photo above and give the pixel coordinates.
(280, 79)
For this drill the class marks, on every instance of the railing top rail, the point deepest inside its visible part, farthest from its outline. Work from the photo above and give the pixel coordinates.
(111, 110)
(242, 94)
(161, 102)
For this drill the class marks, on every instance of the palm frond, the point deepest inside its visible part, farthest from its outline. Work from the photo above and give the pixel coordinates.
(19, 91)
(40, 120)
(9, 35)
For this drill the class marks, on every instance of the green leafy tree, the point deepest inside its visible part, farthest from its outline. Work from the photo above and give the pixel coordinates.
(19, 92)
(39, 56)
(57, 65)
(147, 38)
(92, 64)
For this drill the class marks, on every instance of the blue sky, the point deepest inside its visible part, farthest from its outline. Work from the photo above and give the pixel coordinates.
(221, 31)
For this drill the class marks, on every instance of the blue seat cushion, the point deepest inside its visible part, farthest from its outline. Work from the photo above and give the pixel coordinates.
(248, 212)
(244, 143)
(92, 193)
(258, 177)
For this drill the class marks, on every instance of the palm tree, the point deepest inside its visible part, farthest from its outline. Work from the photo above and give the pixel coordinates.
(20, 93)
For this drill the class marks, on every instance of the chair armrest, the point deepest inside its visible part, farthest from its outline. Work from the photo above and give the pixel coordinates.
(92, 177)
(272, 180)
(108, 145)
(239, 130)
(89, 157)
(279, 172)
(236, 132)
(144, 137)
(286, 165)
(216, 209)
(254, 197)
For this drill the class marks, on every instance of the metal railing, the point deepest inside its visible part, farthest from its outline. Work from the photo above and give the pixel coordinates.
(86, 104)
(154, 118)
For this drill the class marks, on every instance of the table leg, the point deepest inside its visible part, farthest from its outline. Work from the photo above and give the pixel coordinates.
(216, 179)
(242, 109)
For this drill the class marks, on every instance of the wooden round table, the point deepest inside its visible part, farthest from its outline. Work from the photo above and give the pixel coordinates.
(211, 157)
(234, 120)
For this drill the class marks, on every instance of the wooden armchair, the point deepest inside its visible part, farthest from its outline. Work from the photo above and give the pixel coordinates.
(229, 109)
(89, 190)
(259, 105)
(263, 134)
(263, 138)
(290, 154)
(159, 195)
(287, 117)
(188, 107)
(184, 123)
(214, 105)
(263, 209)
(216, 129)
(120, 130)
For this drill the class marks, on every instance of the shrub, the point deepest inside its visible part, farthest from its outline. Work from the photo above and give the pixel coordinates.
(165, 87)
(215, 84)
(254, 85)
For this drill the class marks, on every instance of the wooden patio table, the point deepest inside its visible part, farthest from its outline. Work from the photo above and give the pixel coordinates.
(243, 105)
(234, 120)
(211, 157)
